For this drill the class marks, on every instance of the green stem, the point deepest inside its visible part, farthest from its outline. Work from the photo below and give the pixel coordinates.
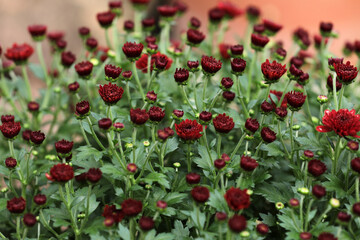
(198, 219)
(336, 156)
(321, 217)
(46, 225)
(132, 228)
(73, 221)
(258, 148)
(238, 146)
(340, 97)
(292, 136)
(206, 144)
(188, 157)
(284, 93)
(108, 111)
(133, 64)
(94, 134)
(86, 209)
(187, 99)
(194, 91)
(307, 214)
(84, 133)
(251, 70)
(128, 92)
(239, 94)
(206, 79)
(164, 36)
(112, 148)
(27, 82)
(357, 189)
(308, 108)
(282, 141)
(27, 164)
(301, 211)
(57, 109)
(137, 22)
(214, 100)
(218, 149)
(120, 147)
(188, 54)
(267, 92)
(134, 142)
(46, 99)
(238, 183)
(153, 75)
(107, 38)
(146, 161)
(334, 91)
(18, 228)
(11, 148)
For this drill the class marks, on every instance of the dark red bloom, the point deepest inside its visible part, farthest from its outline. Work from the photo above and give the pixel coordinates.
(332, 61)
(151, 96)
(253, 12)
(128, 25)
(327, 236)
(132, 50)
(131, 207)
(247, 163)
(54, 36)
(308, 154)
(148, 23)
(139, 116)
(216, 15)
(297, 61)
(189, 130)
(16, 205)
(266, 107)
(221, 216)
(161, 62)
(60, 44)
(316, 167)
(167, 11)
(262, 229)
(29, 219)
(91, 43)
(294, 202)
(112, 72)
(163, 134)
(224, 50)
(181, 75)
(84, 69)
(156, 114)
(194, 36)
(252, 125)
(37, 32)
(37, 137)
(303, 79)
(82, 108)
(237, 223)
(330, 83)
(318, 191)
(228, 95)
(342, 122)
(200, 194)
(295, 100)
(352, 145)
(140, 1)
(26, 134)
(131, 167)
(301, 36)
(195, 23)
(105, 18)
(237, 50)
(281, 113)
(305, 236)
(294, 72)
(348, 48)
(346, 73)
(237, 199)
(268, 135)
(318, 39)
(40, 199)
(10, 129)
(181, 6)
(84, 31)
(226, 82)
(355, 164)
(19, 53)
(356, 208)
(178, 113)
(258, 42)
(271, 27)
(111, 93)
(272, 71)
(238, 65)
(10, 162)
(210, 65)
(146, 223)
(281, 53)
(223, 123)
(126, 75)
(193, 65)
(7, 118)
(326, 27)
(230, 9)
(219, 163)
(93, 175)
(67, 59)
(205, 116)
(343, 217)
(259, 28)
(33, 106)
(115, 4)
(63, 146)
(105, 123)
(192, 178)
(62, 172)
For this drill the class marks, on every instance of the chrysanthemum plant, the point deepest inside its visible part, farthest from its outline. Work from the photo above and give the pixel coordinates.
(157, 138)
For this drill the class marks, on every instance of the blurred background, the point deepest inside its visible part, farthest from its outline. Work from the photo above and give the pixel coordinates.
(69, 15)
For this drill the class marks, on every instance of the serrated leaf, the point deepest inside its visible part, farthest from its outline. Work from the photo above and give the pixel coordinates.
(164, 236)
(217, 201)
(157, 177)
(174, 197)
(273, 149)
(179, 231)
(123, 232)
(88, 153)
(171, 145)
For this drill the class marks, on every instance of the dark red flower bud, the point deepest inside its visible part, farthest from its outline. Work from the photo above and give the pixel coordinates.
(294, 202)
(237, 223)
(205, 117)
(224, 50)
(332, 61)
(193, 65)
(148, 23)
(225, 157)
(178, 113)
(252, 125)
(7, 118)
(326, 27)
(200, 194)
(318, 39)
(19, 53)
(210, 65)
(238, 66)
(223, 123)
(343, 217)
(268, 135)
(93, 175)
(16, 205)
(150, 39)
(110, 93)
(40, 199)
(216, 15)
(67, 59)
(37, 137)
(346, 73)
(10, 129)
(84, 31)
(29, 219)
(219, 163)
(221, 216)
(258, 42)
(105, 18)
(194, 37)
(237, 199)
(156, 114)
(259, 28)
(139, 116)
(131, 167)
(181, 75)
(161, 62)
(228, 95)
(62, 172)
(280, 54)
(294, 72)
(151, 96)
(84, 69)
(112, 72)
(10, 162)
(132, 50)
(118, 127)
(237, 50)
(252, 13)
(61, 44)
(105, 123)
(192, 178)
(248, 164)
(131, 207)
(305, 236)
(295, 100)
(91, 44)
(356, 208)
(167, 11)
(26, 135)
(318, 191)
(226, 83)
(127, 75)
(194, 23)
(302, 38)
(271, 27)
(63, 146)
(82, 108)
(272, 71)
(181, 6)
(326, 236)
(348, 48)
(329, 83)
(37, 32)
(355, 164)
(303, 79)
(33, 106)
(308, 154)
(54, 36)
(266, 107)
(129, 26)
(262, 229)
(353, 145)
(146, 223)
(162, 134)
(316, 167)
(115, 7)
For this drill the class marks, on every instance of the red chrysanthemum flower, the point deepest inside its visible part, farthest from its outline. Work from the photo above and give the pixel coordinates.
(194, 23)
(138, 116)
(238, 66)
(194, 37)
(19, 53)
(105, 18)
(82, 108)
(318, 191)
(112, 72)
(278, 95)
(63, 146)
(237, 223)
(111, 93)
(105, 123)
(295, 100)
(167, 11)
(181, 76)
(342, 122)
(151, 97)
(189, 130)
(29, 219)
(10, 129)
(93, 175)
(230, 9)
(237, 199)
(142, 63)
(132, 50)
(327, 236)
(228, 95)
(37, 32)
(146, 223)
(252, 125)
(216, 15)
(223, 123)
(10, 162)
(7, 118)
(67, 59)
(223, 49)
(247, 163)
(262, 229)
(237, 50)
(16, 205)
(226, 82)
(258, 41)
(200, 194)
(210, 65)
(268, 135)
(156, 114)
(316, 167)
(131, 207)
(305, 236)
(302, 38)
(272, 71)
(271, 27)
(84, 69)
(40, 199)
(346, 73)
(61, 172)
(193, 178)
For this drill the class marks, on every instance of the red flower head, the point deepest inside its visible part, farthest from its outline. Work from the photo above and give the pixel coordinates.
(342, 122)
(161, 62)
(189, 130)
(167, 11)
(131, 207)
(356, 208)
(230, 9)
(332, 61)
(29, 219)
(271, 27)
(126, 75)
(205, 117)
(146, 223)
(343, 217)
(237, 50)
(194, 37)
(226, 83)
(105, 18)
(129, 26)
(238, 66)
(105, 123)
(16, 205)
(355, 164)
(93, 175)
(37, 32)
(40, 199)
(327, 236)
(262, 229)
(251, 125)
(156, 114)
(252, 13)
(272, 71)
(178, 114)
(61, 172)
(63, 146)
(192, 178)
(148, 24)
(112, 72)
(33, 106)
(280, 54)
(19, 53)
(91, 44)
(141, 2)
(82, 108)
(318, 191)
(302, 38)
(111, 93)
(151, 97)
(10, 129)
(268, 135)
(228, 95)
(194, 23)
(221, 216)
(224, 50)
(346, 73)
(223, 123)
(210, 65)
(216, 15)
(305, 236)
(295, 100)
(10, 162)
(181, 6)
(258, 42)
(219, 163)
(26, 134)
(248, 164)
(200, 194)
(84, 69)
(7, 118)
(259, 28)
(294, 72)
(131, 167)
(348, 48)
(237, 199)
(67, 59)
(54, 36)
(139, 116)
(132, 50)
(181, 76)
(237, 223)
(316, 167)
(84, 32)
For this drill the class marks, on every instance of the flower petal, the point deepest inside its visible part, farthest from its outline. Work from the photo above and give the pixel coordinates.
(323, 129)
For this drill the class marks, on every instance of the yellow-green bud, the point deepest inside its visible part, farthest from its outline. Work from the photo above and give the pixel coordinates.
(335, 203)
(177, 164)
(129, 145)
(244, 234)
(146, 143)
(94, 61)
(303, 190)
(279, 205)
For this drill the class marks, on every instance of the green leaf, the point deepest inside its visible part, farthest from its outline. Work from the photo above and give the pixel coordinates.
(3, 203)
(172, 145)
(271, 192)
(273, 149)
(179, 231)
(157, 177)
(217, 201)
(123, 232)
(336, 185)
(174, 197)
(204, 161)
(111, 170)
(165, 236)
(88, 153)
(37, 70)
